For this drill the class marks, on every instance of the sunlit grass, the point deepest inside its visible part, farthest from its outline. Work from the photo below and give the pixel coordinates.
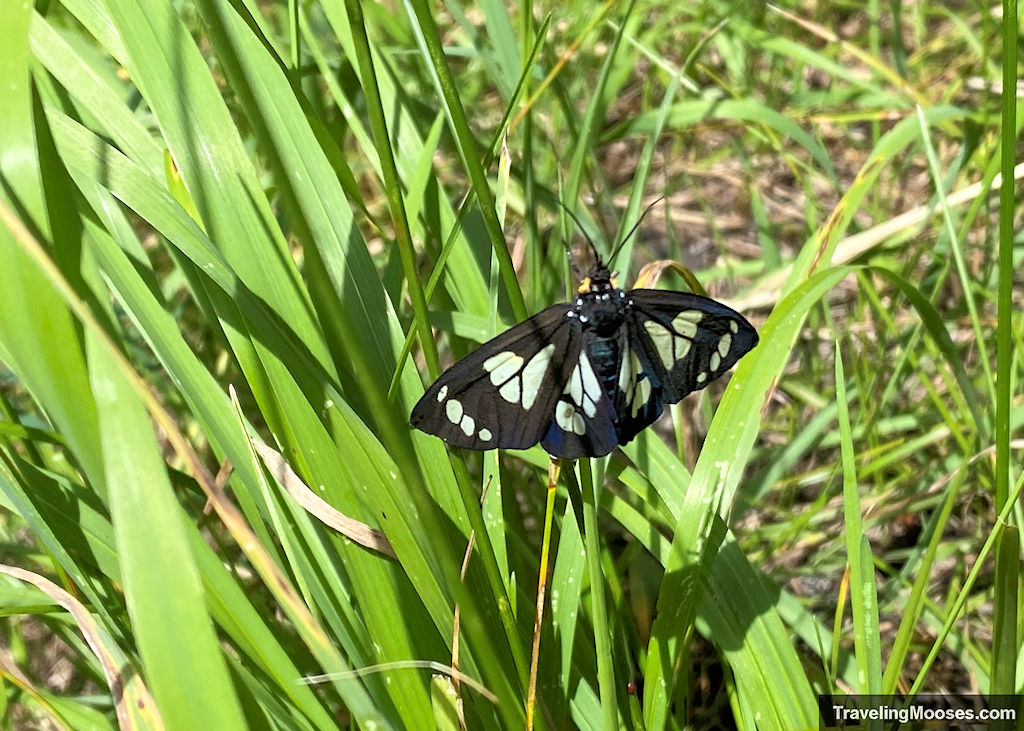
(322, 208)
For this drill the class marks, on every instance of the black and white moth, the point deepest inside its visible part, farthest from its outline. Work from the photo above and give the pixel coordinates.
(582, 377)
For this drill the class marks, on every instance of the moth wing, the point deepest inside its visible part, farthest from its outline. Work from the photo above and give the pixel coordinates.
(638, 394)
(685, 341)
(583, 422)
(503, 394)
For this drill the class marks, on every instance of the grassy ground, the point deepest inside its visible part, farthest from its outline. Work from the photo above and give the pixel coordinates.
(227, 227)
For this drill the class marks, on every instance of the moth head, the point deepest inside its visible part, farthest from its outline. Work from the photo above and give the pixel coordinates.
(587, 266)
(586, 263)
(599, 279)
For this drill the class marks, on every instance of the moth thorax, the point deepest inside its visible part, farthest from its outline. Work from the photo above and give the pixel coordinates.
(603, 312)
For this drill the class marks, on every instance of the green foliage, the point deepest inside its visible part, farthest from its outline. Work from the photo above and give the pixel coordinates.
(226, 223)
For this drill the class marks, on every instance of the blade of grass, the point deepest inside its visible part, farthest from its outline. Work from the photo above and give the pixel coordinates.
(902, 643)
(346, 291)
(276, 581)
(392, 183)
(1005, 639)
(206, 148)
(953, 613)
(820, 249)
(873, 62)
(588, 129)
(428, 34)
(863, 594)
(173, 629)
(640, 177)
(736, 613)
(93, 88)
(594, 19)
(464, 280)
(495, 43)
(452, 268)
(568, 579)
(719, 468)
(591, 491)
(936, 328)
(542, 580)
(133, 702)
(38, 333)
(72, 525)
(956, 246)
(44, 499)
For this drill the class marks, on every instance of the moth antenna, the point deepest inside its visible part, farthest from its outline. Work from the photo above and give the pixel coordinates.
(583, 231)
(636, 225)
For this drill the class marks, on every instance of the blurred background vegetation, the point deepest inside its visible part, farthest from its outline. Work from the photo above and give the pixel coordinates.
(239, 237)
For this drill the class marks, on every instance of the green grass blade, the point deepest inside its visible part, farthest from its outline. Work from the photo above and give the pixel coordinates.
(621, 265)
(94, 87)
(940, 335)
(957, 605)
(586, 135)
(863, 594)
(392, 184)
(736, 611)
(598, 602)
(468, 150)
(38, 335)
(1007, 206)
(821, 247)
(914, 606)
(173, 628)
(718, 471)
(956, 245)
(1006, 640)
(135, 706)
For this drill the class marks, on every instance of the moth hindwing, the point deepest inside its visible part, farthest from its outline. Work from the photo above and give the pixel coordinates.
(583, 377)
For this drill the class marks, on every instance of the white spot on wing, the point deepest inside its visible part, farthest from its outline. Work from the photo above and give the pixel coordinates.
(503, 366)
(632, 382)
(626, 373)
(583, 388)
(533, 374)
(590, 384)
(701, 377)
(685, 323)
(574, 388)
(714, 362)
(442, 394)
(467, 425)
(662, 339)
(564, 414)
(733, 326)
(569, 418)
(485, 435)
(510, 391)
(724, 344)
(637, 368)
(641, 395)
(453, 410)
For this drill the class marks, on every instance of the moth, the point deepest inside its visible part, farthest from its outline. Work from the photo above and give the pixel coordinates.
(585, 376)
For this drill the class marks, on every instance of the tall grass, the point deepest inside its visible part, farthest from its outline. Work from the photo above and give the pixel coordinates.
(229, 225)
